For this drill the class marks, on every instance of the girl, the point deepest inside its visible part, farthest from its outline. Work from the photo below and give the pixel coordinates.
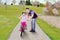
(23, 22)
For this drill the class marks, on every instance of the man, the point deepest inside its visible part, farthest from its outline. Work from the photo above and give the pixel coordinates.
(32, 15)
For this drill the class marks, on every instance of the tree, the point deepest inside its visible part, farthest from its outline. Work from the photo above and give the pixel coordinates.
(13, 1)
(28, 2)
(23, 2)
(33, 3)
(0, 2)
(42, 5)
(20, 2)
(49, 7)
(5, 3)
(36, 3)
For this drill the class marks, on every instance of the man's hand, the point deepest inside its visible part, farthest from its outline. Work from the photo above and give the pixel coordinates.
(29, 18)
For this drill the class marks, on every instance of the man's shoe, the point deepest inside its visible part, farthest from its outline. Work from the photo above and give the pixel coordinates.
(33, 31)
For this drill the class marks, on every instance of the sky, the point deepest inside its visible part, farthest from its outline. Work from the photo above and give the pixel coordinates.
(17, 1)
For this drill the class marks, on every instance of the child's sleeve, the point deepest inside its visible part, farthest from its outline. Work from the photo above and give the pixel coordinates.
(27, 17)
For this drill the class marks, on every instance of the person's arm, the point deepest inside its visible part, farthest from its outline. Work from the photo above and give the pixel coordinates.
(32, 13)
(28, 18)
(20, 17)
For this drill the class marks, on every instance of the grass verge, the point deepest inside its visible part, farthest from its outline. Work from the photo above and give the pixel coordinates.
(7, 24)
(51, 31)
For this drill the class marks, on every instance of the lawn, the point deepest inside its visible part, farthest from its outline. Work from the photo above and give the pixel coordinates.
(51, 31)
(9, 18)
(16, 10)
(7, 24)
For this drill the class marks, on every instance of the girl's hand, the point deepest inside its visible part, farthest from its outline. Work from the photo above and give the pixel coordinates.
(20, 17)
(27, 20)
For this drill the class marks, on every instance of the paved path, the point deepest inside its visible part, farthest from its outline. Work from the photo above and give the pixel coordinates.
(54, 20)
(39, 35)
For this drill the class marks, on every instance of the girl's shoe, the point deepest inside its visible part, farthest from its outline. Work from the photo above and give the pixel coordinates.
(21, 34)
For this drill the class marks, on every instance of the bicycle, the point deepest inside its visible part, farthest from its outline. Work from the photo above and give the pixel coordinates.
(23, 27)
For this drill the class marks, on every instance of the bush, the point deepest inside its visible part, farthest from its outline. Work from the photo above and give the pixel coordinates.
(5, 3)
(42, 5)
(11, 3)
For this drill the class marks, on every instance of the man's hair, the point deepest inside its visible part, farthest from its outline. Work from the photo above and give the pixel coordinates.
(27, 8)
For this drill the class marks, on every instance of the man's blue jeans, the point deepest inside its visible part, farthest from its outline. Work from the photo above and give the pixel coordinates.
(33, 24)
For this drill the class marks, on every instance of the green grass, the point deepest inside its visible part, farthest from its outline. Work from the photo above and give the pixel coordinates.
(51, 31)
(16, 10)
(6, 26)
(11, 10)
(9, 18)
